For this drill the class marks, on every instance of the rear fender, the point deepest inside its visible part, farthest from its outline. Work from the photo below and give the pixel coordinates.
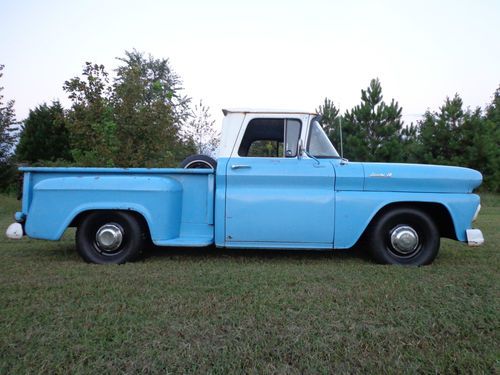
(57, 201)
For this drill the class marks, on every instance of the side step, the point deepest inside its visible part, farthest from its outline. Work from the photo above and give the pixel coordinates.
(194, 241)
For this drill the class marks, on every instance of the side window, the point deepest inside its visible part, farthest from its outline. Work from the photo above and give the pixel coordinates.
(318, 144)
(292, 136)
(266, 149)
(270, 138)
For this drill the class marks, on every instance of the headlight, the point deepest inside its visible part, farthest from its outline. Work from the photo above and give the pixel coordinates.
(476, 213)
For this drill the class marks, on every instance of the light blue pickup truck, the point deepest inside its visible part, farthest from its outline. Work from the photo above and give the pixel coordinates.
(278, 183)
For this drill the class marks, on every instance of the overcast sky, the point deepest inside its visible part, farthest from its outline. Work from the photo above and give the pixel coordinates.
(272, 54)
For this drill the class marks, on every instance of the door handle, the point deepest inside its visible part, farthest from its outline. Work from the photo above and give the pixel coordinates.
(239, 166)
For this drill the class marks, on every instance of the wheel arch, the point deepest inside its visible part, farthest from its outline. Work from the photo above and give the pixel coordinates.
(75, 222)
(438, 212)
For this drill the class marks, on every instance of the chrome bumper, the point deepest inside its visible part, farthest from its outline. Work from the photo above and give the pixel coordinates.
(474, 237)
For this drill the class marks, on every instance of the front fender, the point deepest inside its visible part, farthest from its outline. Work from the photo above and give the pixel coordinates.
(57, 201)
(354, 210)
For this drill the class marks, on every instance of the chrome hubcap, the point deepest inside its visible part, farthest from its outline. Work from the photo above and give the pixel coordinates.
(404, 239)
(109, 237)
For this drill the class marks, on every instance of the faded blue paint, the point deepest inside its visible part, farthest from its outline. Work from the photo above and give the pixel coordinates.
(176, 203)
(98, 170)
(355, 209)
(20, 217)
(349, 176)
(420, 178)
(284, 200)
(293, 203)
(220, 202)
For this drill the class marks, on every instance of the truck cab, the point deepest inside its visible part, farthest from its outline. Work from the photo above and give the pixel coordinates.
(278, 172)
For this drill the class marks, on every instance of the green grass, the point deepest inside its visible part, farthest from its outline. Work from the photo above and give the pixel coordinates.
(187, 311)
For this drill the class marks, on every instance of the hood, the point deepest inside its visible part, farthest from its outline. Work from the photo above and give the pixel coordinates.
(420, 178)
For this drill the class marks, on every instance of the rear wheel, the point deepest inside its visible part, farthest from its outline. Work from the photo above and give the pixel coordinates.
(110, 237)
(404, 236)
(199, 161)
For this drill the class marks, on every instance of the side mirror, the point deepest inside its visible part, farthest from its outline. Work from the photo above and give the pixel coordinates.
(303, 151)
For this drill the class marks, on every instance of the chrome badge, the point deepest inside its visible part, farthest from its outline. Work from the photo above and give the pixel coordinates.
(383, 175)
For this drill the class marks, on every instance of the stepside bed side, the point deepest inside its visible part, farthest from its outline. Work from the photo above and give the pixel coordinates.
(177, 208)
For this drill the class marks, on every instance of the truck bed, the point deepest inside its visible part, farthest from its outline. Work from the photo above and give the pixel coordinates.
(177, 204)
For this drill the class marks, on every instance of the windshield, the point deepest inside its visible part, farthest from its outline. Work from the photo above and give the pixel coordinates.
(318, 144)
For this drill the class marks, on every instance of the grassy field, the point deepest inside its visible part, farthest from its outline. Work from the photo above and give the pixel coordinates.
(217, 311)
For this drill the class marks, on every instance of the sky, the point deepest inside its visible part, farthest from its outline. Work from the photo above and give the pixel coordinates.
(265, 54)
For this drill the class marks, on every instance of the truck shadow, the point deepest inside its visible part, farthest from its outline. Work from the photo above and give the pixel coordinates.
(156, 252)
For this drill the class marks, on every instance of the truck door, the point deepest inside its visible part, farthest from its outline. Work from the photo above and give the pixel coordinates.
(273, 197)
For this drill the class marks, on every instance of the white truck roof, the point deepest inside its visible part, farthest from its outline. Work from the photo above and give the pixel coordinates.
(233, 122)
(265, 110)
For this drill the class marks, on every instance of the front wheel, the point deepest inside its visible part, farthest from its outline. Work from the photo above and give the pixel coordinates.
(113, 237)
(404, 236)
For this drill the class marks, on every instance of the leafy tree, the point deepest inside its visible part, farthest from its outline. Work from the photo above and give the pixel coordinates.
(133, 121)
(8, 137)
(200, 129)
(7, 126)
(149, 110)
(93, 131)
(372, 129)
(44, 135)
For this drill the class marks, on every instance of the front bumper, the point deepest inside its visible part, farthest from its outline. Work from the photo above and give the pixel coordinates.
(474, 237)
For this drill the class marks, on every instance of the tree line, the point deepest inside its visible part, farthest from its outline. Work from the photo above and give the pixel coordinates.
(452, 135)
(141, 117)
(138, 118)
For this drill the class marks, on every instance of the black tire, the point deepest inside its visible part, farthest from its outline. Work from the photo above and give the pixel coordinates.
(386, 248)
(199, 161)
(132, 237)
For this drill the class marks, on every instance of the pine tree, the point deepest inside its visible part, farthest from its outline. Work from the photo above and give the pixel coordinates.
(409, 143)
(330, 121)
(441, 133)
(372, 129)
(44, 135)
(492, 131)
(455, 136)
